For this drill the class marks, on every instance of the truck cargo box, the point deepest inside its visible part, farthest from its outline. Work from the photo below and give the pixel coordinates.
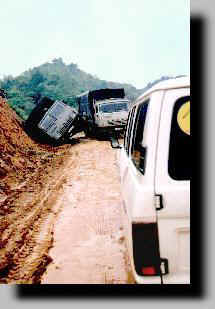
(57, 120)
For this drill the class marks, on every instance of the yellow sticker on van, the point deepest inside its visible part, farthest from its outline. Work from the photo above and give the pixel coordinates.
(183, 118)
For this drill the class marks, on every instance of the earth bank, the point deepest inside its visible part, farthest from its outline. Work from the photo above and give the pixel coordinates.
(29, 175)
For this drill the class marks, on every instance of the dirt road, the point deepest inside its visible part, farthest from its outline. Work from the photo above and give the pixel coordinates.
(89, 245)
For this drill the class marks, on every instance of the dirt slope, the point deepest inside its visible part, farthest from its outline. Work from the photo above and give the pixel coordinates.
(28, 174)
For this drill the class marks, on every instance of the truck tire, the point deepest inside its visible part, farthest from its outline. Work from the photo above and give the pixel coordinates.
(87, 132)
(31, 124)
(90, 131)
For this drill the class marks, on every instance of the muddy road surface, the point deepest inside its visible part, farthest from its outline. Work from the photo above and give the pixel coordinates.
(88, 235)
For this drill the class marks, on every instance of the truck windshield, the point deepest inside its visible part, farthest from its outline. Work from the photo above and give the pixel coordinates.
(113, 107)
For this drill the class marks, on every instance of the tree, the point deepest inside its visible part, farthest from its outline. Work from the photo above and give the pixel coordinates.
(56, 80)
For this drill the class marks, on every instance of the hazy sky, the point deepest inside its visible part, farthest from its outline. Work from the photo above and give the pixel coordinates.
(132, 41)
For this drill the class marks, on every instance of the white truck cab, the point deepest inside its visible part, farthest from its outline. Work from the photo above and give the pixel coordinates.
(155, 182)
(103, 110)
(111, 112)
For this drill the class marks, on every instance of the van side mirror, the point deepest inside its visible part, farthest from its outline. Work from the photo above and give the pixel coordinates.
(115, 143)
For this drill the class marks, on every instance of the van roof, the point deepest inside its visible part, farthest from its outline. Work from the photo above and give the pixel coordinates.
(177, 82)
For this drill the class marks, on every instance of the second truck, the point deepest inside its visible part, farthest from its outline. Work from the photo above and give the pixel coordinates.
(103, 111)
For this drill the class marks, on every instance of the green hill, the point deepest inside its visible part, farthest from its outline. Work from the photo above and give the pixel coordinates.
(58, 81)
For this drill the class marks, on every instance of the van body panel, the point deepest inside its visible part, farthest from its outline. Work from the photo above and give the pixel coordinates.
(139, 190)
(174, 219)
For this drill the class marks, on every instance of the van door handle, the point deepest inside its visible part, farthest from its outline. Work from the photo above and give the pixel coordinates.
(158, 201)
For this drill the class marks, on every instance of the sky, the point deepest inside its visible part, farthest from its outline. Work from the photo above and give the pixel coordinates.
(128, 41)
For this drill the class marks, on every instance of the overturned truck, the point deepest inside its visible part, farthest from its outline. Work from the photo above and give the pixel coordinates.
(99, 111)
(52, 121)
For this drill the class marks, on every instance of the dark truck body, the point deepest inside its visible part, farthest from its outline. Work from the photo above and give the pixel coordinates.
(58, 120)
(52, 121)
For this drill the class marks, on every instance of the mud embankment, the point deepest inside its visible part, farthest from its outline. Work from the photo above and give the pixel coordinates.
(30, 174)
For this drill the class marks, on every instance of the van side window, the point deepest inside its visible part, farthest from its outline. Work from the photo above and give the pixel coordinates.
(137, 151)
(179, 164)
(128, 129)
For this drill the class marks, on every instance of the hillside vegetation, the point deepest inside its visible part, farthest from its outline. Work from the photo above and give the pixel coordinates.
(58, 81)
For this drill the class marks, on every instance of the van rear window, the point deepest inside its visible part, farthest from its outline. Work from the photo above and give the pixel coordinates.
(179, 164)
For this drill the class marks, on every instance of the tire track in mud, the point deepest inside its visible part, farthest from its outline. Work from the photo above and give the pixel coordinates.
(89, 244)
(25, 243)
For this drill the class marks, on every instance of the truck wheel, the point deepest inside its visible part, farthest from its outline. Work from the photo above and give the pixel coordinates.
(31, 124)
(89, 132)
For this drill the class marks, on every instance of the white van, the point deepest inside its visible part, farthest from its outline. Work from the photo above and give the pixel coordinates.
(155, 181)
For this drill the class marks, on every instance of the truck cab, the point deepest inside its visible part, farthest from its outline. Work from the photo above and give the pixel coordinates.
(155, 172)
(111, 112)
(103, 110)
